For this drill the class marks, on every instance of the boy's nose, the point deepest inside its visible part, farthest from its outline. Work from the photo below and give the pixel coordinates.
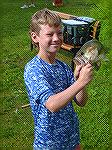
(55, 37)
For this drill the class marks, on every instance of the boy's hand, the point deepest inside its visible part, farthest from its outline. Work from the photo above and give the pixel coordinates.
(77, 70)
(85, 74)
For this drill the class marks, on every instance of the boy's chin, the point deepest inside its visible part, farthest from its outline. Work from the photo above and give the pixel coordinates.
(53, 50)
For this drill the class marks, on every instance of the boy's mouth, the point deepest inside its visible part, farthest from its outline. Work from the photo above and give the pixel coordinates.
(55, 44)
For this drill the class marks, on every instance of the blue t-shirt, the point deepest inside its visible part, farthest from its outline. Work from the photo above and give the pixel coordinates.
(53, 130)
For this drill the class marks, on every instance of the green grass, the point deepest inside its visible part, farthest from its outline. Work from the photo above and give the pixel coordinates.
(17, 123)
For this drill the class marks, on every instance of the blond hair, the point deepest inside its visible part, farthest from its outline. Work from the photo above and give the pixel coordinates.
(43, 17)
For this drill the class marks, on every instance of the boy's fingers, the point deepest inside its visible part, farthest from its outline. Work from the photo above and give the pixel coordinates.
(78, 68)
(88, 65)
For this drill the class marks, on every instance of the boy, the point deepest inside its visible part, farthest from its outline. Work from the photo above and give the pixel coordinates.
(51, 87)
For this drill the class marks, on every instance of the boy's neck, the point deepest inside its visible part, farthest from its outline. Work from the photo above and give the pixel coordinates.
(49, 58)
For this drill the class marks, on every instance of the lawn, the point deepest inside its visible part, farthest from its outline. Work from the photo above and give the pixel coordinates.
(16, 123)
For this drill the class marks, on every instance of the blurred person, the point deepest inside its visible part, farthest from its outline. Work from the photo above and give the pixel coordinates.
(57, 2)
(27, 4)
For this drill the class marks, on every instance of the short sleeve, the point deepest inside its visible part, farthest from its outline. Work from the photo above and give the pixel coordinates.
(37, 85)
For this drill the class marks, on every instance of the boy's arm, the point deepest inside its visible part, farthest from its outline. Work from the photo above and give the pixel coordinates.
(60, 100)
(82, 97)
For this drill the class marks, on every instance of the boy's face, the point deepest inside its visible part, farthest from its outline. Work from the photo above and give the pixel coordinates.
(50, 38)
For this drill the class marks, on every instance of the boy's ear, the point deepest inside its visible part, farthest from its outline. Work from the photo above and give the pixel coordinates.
(34, 37)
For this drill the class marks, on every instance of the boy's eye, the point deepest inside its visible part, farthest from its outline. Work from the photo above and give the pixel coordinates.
(60, 33)
(49, 34)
